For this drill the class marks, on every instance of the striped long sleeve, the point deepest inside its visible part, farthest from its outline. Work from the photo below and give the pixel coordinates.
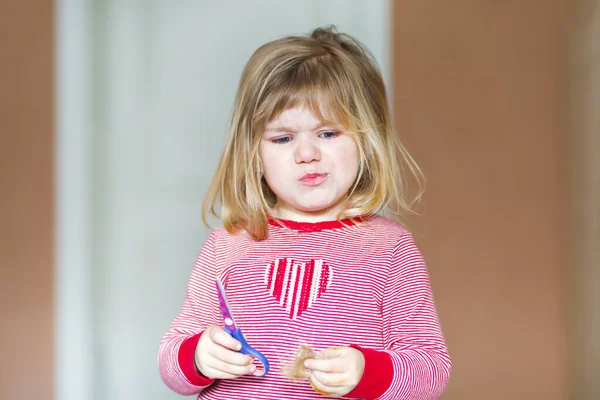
(199, 310)
(412, 334)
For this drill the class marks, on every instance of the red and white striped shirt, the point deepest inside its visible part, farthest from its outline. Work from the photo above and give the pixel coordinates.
(323, 284)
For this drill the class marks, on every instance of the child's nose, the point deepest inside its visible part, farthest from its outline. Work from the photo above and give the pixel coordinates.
(306, 151)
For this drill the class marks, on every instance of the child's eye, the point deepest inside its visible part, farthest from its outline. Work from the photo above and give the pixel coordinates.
(329, 134)
(281, 140)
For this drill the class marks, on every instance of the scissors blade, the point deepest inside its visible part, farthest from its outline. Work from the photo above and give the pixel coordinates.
(225, 310)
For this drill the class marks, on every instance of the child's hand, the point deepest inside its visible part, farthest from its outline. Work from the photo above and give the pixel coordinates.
(217, 355)
(336, 371)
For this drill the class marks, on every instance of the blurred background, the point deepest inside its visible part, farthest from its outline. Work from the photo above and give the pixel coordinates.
(113, 115)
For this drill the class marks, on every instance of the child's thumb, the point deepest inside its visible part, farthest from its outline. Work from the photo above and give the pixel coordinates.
(331, 352)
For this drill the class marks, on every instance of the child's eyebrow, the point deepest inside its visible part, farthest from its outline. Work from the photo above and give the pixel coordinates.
(291, 130)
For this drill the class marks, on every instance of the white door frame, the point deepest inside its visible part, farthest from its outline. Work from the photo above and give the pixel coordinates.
(73, 356)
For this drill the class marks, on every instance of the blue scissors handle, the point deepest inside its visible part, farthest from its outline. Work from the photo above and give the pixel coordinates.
(247, 349)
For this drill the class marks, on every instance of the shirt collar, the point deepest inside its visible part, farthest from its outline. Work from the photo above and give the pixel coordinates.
(315, 226)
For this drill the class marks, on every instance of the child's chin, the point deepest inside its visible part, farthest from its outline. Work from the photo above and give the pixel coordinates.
(315, 208)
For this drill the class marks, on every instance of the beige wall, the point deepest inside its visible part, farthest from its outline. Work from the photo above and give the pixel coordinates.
(585, 124)
(480, 95)
(26, 201)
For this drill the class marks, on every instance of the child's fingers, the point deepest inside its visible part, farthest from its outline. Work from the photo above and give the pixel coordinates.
(320, 387)
(230, 369)
(215, 373)
(228, 356)
(332, 352)
(324, 365)
(219, 336)
(327, 360)
(330, 381)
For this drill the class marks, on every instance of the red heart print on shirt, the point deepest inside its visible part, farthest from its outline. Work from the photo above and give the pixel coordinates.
(297, 285)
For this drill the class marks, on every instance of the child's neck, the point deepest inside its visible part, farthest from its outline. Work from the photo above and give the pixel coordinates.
(290, 214)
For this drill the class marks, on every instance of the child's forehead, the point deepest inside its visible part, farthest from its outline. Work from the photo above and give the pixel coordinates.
(302, 117)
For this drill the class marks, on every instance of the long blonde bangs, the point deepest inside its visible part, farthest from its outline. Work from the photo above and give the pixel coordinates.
(336, 78)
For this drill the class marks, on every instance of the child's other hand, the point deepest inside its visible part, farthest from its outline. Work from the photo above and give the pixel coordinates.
(217, 355)
(336, 371)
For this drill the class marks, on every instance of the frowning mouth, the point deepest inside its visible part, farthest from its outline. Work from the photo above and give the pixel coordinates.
(313, 179)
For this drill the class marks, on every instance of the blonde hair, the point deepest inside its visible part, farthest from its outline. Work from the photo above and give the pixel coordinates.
(337, 79)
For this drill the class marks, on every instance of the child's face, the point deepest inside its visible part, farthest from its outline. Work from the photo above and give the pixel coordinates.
(309, 166)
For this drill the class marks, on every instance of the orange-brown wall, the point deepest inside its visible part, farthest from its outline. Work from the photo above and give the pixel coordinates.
(585, 150)
(479, 99)
(27, 199)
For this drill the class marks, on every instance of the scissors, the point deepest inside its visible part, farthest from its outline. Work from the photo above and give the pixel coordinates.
(235, 332)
